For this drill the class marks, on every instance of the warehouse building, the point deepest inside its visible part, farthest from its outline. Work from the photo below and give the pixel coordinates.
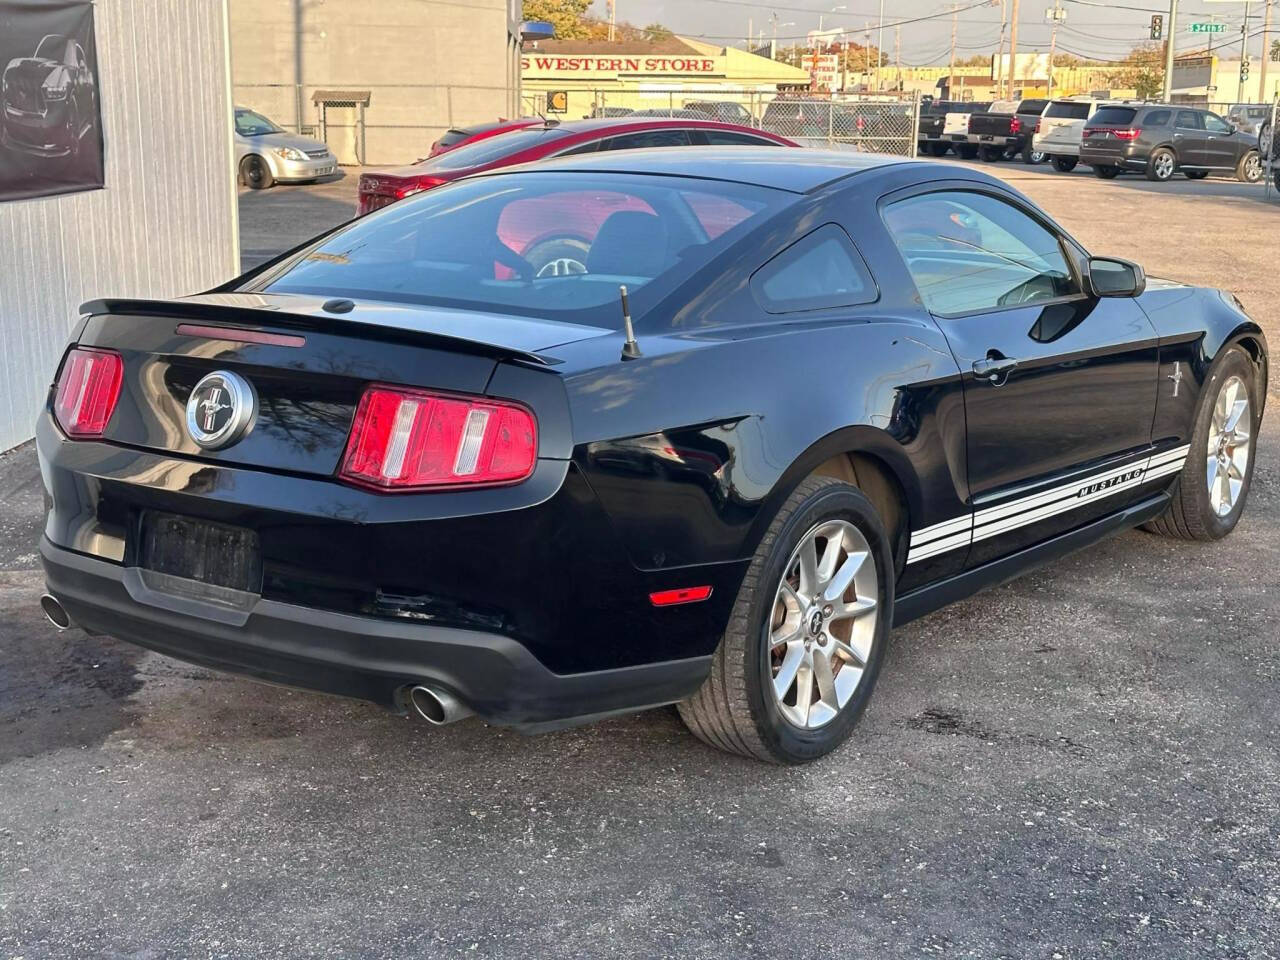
(377, 81)
(135, 198)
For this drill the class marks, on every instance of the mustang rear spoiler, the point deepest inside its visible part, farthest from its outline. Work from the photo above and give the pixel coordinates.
(257, 317)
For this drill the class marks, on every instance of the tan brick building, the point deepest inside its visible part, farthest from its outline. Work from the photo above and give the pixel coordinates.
(380, 79)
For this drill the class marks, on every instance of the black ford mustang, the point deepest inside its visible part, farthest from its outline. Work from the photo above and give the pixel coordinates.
(399, 464)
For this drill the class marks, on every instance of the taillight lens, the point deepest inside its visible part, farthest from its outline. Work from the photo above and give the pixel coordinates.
(410, 439)
(87, 391)
(1015, 125)
(416, 186)
(1131, 134)
(1037, 130)
(1088, 132)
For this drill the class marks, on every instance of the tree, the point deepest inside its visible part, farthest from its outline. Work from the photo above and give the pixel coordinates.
(567, 16)
(656, 31)
(1144, 70)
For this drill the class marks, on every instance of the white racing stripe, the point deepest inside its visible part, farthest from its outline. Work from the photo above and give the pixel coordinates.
(993, 521)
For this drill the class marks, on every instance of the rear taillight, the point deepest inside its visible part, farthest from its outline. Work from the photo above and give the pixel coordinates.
(1015, 125)
(1131, 134)
(1088, 132)
(416, 186)
(410, 439)
(1037, 130)
(87, 391)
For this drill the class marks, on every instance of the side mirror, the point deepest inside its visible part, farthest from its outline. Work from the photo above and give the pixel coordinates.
(1109, 277)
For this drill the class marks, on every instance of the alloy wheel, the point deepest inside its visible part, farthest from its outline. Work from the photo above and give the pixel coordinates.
(823, 624)
(1227, 453)
(1164, 166)
(1253, 168)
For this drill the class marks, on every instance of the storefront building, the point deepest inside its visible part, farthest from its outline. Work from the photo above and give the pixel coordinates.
(575, 78)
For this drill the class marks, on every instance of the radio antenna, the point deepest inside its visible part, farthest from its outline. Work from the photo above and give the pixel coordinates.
(630, 349)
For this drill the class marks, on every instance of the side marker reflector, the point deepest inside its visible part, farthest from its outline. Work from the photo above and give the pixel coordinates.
(669, 598)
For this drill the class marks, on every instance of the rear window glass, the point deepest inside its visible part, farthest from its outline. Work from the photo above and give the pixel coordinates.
(1032, 106)
(491, 148)
(1121, 116)
(820, 270)
(1067, 110)
(550, 245)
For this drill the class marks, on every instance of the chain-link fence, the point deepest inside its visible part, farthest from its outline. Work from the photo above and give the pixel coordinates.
(879, 123)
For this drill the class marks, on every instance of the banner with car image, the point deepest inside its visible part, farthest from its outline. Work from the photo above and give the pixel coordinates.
(50, 124)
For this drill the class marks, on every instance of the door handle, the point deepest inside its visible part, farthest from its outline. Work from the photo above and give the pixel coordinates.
(995, 367)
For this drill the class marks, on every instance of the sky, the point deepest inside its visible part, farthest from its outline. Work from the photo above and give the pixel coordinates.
(1102, 29)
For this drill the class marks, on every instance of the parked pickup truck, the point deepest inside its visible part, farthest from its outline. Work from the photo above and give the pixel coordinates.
(940, 122)
(1006, 129)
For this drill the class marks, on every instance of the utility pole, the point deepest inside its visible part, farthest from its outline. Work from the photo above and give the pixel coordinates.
(1013, 48)
(951, 77)
(1244, 54)
(1053, 41)
(1264, 96)
(999, 71)
(897, 57)
(612, 18)
(879, 45)
(1172, 27)
(868, 39)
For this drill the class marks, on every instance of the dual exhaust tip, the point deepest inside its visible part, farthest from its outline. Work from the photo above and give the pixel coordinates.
(437, 706)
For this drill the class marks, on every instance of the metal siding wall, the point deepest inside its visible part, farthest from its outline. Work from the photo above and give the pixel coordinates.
(165, 224)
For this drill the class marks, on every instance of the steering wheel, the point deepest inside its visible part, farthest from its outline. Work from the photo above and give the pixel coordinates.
(524, 270)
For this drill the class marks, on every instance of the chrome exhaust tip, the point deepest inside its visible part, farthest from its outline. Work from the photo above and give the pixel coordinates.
(437, 706)
(54, 612)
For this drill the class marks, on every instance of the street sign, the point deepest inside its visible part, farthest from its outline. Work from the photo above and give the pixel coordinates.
(1207, 28)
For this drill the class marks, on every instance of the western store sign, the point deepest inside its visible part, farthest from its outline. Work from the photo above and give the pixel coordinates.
(584, 66)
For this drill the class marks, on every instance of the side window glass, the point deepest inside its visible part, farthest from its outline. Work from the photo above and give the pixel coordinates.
(720, 138)
(1157, 118)
(591, 146)
(650, 138)
(1215, 124)
(822, 269)
(1190, 120)
(970, 252)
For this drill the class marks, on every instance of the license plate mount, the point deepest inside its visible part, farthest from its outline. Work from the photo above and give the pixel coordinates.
(215, 554)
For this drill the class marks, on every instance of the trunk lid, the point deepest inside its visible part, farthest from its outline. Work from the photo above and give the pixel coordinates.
(308, 368)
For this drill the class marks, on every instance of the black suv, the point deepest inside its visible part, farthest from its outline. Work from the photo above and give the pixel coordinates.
(1161, 139)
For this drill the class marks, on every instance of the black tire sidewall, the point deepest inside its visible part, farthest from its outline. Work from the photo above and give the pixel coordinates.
(1240, 168)
(248, 164)
(1233, 362)
(791, 744)
(1151, 166)
(1064, 164)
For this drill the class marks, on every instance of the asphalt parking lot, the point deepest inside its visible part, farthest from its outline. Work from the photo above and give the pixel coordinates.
(1083, 763)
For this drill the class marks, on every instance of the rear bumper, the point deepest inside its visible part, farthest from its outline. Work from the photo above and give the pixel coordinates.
(368, 658)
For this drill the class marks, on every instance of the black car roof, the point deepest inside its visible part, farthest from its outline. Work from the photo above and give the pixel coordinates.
(798, 170)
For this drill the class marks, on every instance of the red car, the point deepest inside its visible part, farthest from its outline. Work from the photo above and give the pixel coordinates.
(551, 139)
(458, 135)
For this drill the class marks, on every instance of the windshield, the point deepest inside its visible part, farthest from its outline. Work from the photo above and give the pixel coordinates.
(550, 245)
(52, 47)
(492, 148)
(250, 124)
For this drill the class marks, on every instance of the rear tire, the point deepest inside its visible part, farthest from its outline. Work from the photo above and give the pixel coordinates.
(1161, 165)
(937, 149)
(991, 154)
(967, 151)
(255, 174)
(1264, 139)
(1065, 164)
(737, 709)
(1193, 513)
(1032, 157)
(1106, 173)
(1249, 169)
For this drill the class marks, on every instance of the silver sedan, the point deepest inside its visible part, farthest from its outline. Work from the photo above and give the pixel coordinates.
(267, 154)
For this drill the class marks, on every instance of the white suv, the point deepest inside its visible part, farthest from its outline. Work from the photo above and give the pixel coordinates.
(1061, 129)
